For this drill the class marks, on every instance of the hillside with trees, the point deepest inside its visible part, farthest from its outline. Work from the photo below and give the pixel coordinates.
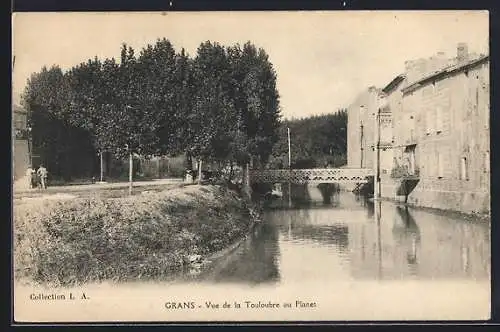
(316, 141)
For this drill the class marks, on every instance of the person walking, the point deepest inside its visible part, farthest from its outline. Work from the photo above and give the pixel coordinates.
(42, 174)
(30, 172)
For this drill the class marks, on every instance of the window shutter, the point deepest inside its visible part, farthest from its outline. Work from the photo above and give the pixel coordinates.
(428, 122)
(439, 120)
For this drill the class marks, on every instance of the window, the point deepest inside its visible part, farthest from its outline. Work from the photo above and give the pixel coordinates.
(439, 120)
(439, 164)
(428, 163)
(476, 106)
(486, 161)
(428, 122)
(464, 172)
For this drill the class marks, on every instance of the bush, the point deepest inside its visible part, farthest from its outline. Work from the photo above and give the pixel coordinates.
(144, 236)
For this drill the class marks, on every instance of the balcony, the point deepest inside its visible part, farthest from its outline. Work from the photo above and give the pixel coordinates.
(404, 173)
(407, 180)
(407, 138)
(410, 141)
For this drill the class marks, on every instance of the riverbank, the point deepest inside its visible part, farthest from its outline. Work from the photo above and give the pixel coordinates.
(146, 237)
(480, 217)
(468, 205)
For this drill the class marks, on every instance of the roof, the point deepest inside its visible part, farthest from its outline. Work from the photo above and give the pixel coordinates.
(446, 72)
(361, 97)
(394, 83)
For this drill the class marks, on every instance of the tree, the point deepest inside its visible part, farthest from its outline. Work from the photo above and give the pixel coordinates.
(162, 79)
(267, 110)
(88, 101)
(316, 141)
(256, 101)
(65, 148)
(222, 105)
(213, 113)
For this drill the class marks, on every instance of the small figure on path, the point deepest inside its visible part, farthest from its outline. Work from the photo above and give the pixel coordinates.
(42, 174)
(189, 176)
(30, 177)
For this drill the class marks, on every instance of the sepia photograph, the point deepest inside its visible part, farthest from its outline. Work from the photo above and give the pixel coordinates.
(251, 166)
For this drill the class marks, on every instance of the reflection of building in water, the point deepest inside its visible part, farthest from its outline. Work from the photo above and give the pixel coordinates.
(418, 243)
(406, 236)
(254, 262)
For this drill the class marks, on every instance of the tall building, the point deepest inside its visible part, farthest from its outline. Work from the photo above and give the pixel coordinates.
(361, 129)
(437, 113)
(389, 126)
(20, 143)
(444, 135)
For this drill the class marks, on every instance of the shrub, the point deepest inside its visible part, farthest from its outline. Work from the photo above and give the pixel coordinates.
(143, 236)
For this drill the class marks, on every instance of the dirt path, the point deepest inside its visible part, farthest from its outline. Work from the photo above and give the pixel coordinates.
(87, 189)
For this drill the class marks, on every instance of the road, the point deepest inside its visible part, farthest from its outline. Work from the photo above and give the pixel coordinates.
(95, 187)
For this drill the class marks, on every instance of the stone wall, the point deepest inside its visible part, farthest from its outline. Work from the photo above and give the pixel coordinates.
(440, 131)
(441, 194)
(452, 126)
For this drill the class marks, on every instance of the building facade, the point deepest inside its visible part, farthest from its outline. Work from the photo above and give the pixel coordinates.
(447, 136)
(20, 143)
(438, 115)
(366, 116)
(361, 129)
(389, 119)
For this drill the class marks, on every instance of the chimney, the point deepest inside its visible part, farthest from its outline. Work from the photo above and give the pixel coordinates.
(437, 62)
(462, 52)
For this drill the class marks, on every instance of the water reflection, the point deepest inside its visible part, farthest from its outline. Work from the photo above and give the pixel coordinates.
(407, 236)
(254, 262)
(357, 239)
(327, 192)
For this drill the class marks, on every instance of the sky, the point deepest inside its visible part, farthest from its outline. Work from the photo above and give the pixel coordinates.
(323, 59)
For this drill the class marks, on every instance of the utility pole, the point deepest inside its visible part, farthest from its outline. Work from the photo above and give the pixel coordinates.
(289, 151)
(377, 157)
(289, 171)
(376, 182)
(361, 143)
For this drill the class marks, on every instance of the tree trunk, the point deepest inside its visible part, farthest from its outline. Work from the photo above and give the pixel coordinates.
(231, 172)
(102, 167)
(130, 169)
(199, 171)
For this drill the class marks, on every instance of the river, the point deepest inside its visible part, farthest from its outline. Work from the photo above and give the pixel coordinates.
(347, 259)
(353, 239)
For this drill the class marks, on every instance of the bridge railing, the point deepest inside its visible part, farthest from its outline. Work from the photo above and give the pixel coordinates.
(321, 175)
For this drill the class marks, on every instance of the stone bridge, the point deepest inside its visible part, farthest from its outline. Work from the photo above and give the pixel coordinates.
(315, 175)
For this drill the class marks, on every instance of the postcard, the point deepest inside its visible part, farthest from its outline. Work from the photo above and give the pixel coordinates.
(251, 166)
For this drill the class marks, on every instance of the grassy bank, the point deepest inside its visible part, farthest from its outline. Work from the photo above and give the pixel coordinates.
(144, 236)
